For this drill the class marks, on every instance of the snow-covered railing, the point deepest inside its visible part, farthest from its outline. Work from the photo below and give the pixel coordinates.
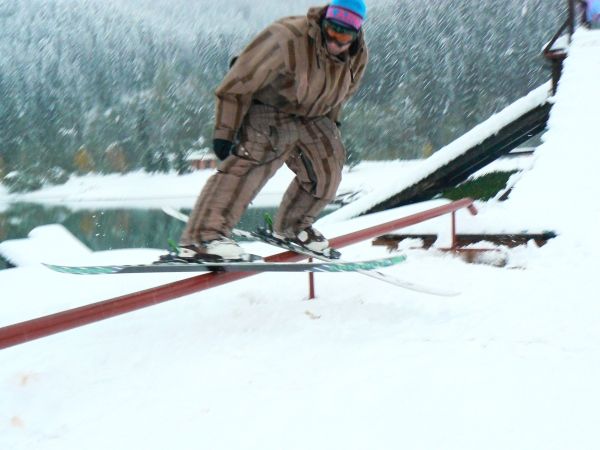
(45, 326)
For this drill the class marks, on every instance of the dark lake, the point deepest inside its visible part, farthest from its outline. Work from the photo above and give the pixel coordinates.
(106, 229)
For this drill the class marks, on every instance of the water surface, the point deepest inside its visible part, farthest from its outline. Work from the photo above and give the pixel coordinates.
(107, 229)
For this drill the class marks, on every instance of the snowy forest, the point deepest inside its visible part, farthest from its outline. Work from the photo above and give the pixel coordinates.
(119, 85)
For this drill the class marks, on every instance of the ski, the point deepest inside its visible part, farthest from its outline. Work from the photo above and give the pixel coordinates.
(257, 236)
(233, 266)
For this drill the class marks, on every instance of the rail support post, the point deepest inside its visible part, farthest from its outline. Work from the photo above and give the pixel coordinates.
(311, 284)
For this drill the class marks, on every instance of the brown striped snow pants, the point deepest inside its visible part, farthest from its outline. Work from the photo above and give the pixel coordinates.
(310, 147)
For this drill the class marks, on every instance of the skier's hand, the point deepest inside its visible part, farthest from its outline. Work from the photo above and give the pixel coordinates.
(222, 148)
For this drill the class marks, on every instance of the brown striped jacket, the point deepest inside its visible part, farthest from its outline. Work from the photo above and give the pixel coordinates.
(288, 66)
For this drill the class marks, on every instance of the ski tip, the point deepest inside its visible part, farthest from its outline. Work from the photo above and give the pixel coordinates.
(55, 268)
(174, 213)
(83, 270)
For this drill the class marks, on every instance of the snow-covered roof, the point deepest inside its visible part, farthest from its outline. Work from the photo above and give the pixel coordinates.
(204, 154)
(405, 179)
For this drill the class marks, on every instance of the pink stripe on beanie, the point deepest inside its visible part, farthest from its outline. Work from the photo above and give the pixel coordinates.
(344, 17)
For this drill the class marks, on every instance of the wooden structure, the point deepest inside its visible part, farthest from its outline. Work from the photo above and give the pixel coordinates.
(202, 159)
(499, 144)
(556, 50)
(392, 241)
(461, 167)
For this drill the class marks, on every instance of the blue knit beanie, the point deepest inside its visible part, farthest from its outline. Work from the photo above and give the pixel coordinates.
(356, 6)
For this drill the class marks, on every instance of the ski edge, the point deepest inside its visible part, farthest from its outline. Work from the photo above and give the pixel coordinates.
(176, 214)
(330, 267)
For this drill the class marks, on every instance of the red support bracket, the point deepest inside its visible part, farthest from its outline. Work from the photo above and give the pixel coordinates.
(311, 284)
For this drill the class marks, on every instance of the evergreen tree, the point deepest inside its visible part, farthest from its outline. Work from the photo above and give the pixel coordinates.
(87, 73)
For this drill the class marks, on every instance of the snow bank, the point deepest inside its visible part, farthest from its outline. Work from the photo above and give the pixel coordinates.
(137, 189)
(563, 186)
(561, 191)
(46, 240)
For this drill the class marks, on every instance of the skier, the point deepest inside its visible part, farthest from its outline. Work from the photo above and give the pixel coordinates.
(593, 13)
(280, 103)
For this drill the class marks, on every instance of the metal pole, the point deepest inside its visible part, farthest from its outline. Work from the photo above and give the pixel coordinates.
(571, 6)
(388, 227)
(454, 241)
(45, 326)
(311, 284)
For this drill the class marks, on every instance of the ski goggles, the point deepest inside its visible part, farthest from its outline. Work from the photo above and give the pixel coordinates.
(338, 33)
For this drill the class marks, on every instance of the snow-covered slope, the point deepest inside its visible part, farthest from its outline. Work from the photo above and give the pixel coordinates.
(144, 190)
(561, 190)
(563, 187)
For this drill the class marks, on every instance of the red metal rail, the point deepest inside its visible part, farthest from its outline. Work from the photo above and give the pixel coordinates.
(45, 326)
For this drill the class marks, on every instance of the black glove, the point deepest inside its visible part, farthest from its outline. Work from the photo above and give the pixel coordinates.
(222, 148)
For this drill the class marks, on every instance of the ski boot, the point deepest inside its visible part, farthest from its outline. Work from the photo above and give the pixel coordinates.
(216, 250)
(311, 240)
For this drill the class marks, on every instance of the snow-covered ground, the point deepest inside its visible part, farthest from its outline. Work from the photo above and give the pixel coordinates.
(144, 190)
(511, 363)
